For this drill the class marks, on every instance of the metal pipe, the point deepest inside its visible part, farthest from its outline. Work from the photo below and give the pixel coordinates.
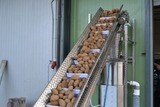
(149, 51)
(58, 31)
(126, 63)
(133, 48)
(62, 32)
(136, 93)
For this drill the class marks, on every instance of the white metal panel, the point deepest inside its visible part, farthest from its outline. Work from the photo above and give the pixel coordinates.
(25, 41)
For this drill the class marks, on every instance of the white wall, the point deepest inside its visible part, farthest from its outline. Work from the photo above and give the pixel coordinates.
(25, 41)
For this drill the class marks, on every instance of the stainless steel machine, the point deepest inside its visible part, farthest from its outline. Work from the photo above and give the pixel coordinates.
(115, 81)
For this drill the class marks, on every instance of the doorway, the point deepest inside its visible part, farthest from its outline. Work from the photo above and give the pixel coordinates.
(156, 54)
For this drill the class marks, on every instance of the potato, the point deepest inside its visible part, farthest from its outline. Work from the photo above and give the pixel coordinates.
(81, 84)
(68, 92)
(71, 95)
(79, 65)
(59, 88)
(60, 95)
(86, 58)
(70, 70)
(54, 103)
(82, 69)
(75, 57)
(81, 62)
(79, 59)
(64, 97)
(79, 71)
(64, 84)
(73, 100)
(55, 91)
(71, 83)
(84, 79)
(70, 88)
(54, 98)
(65, 78)
(76, 83)
(62, 92)
(62, 103)
(67, 100)
(69, 105)
(75, 77)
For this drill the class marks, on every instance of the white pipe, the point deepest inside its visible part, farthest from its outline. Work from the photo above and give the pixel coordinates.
(54, 30)
(134, 83)
(136, 93)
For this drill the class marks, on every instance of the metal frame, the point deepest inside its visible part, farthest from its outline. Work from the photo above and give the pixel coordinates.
(149, 52)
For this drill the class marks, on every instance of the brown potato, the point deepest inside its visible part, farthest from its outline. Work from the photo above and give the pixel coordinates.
(65, 78)
(67, 100)
(54, 103)
(70, 88)
(54, 98)
(71, 83)
(75, 57)
(64, 84)
(62, 103)
(86, 58)
(75, 77)
(59, 88)
(81, 84)
(68, 92)
(84, 79)
(64, 97)
(62, 92)
(71, 95)
(55, 91)
(69, 105)
(79, 71)
(73, 100)
(60, 95)
(76, 83)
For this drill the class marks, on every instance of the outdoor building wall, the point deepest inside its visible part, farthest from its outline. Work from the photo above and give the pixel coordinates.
(26, 42)
(136, 8)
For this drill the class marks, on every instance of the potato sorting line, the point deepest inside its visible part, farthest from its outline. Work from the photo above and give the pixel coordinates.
(76, 79)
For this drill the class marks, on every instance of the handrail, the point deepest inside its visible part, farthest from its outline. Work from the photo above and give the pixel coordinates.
(2, 68)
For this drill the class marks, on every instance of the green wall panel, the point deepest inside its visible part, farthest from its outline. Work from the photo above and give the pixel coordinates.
(136, 8)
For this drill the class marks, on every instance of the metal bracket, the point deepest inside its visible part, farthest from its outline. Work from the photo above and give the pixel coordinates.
(2, 67)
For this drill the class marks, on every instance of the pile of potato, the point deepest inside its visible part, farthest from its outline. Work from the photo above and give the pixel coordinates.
(108, 13)
(63, 98)
(85, 61)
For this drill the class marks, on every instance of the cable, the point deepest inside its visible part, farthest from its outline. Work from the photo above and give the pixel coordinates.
(104, 103)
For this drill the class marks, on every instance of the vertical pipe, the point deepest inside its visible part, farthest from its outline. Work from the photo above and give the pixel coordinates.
(54, 38)
(126, 62)
(149, 51)
(133, 49)
(62, 33)
(58, 14)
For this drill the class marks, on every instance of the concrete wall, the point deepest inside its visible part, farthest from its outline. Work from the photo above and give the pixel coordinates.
(25, 41)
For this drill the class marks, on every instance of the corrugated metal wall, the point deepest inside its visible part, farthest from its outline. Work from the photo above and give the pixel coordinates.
(136, 9)
(25, 41)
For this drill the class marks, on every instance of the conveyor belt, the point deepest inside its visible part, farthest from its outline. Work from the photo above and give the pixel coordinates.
(94, 75)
